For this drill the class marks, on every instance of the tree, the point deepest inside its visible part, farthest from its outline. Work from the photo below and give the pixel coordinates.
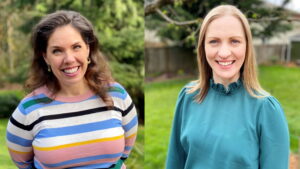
(180, 20)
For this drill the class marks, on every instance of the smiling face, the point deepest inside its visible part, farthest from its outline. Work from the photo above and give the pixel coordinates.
(67, 55)
(225, 48)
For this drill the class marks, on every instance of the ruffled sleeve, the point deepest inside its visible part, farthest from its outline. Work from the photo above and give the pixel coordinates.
(176, 155)
(273, 136)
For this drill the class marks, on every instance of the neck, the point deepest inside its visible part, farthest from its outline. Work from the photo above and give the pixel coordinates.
(226, 82)
(74, 89)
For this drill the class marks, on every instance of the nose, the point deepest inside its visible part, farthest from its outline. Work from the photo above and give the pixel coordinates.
(69, 57)
(224, 51)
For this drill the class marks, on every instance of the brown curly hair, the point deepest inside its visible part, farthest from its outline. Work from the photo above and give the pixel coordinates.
(97, 75)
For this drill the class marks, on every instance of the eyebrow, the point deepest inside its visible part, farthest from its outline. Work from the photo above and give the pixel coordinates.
(55, 46)
(212, 37)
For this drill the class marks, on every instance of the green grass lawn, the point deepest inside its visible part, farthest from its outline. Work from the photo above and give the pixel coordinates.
(5, 161)
(160, 99)
(135, 160)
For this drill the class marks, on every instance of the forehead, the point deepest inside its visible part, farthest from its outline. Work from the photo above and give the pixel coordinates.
(227, 25)
(64, 35)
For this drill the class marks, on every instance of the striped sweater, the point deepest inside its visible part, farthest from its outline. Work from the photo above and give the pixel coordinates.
(74, 132)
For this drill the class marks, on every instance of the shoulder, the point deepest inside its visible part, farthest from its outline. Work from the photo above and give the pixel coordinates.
(270, 102)
(116, 90)
(120, 96)
(187, 90)
(39, 95)
(186, 95)
(271, 108)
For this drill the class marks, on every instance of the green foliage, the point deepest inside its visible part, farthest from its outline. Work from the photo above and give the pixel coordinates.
(20, 74)
(269, 28)
(185, 10)
(9, 100)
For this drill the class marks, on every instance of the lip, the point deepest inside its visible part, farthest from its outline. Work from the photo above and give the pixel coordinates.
(227, 64)
(71, 74)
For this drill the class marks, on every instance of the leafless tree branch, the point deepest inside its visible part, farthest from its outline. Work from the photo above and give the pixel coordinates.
(154, 6)
(150, 7)
(199, 20)
(289, 19)
(196, 21)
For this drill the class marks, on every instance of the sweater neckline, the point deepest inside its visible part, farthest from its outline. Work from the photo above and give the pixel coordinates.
(66, 99)
(220, 88)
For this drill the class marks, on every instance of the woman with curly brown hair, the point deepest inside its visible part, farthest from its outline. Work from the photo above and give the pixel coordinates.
(75, 115)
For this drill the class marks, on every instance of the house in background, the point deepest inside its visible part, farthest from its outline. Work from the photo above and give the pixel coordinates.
(284, 47)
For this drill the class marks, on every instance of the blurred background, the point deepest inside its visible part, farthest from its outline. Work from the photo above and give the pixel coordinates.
(120, 29)
(165, 31)
(171, 32)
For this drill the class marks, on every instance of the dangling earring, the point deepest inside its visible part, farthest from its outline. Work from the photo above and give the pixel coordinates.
(49, 68)
(88, 60)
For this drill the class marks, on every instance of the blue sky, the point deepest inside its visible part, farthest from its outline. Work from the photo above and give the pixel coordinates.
(293, 4)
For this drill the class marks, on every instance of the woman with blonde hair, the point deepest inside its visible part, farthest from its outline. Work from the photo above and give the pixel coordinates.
(75, 115)
(225, 119)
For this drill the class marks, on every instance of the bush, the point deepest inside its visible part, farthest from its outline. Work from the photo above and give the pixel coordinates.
(8, 103)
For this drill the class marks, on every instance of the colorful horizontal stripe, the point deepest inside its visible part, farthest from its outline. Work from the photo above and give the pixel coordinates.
(18, 140)
(131, 124)
(77, 143)
(85, 133)
(85, 159)
(83, 128)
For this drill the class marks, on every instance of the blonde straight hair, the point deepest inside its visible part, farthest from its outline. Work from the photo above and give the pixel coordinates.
(248, 70)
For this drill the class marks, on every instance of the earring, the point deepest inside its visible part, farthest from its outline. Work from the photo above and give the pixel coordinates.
(49, 68)
(88, 60)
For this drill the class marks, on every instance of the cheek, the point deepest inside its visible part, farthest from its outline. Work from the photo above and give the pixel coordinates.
(210, 53)
(55, 61)
(240, 53)
(83, 54)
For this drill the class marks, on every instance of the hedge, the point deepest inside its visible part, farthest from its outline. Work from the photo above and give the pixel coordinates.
(9, 100)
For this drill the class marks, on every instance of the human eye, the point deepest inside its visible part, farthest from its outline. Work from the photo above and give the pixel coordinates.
(234, 41)
(77, 47)
(212, 41)
(56, 51)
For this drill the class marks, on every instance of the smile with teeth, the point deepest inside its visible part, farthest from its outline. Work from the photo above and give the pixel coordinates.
(72, 70)
(225, 63)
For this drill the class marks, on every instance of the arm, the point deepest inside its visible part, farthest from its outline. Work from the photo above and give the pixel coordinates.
(129, 120)
(19, 140)
(130, 126)
(176, 155)
(274, 136)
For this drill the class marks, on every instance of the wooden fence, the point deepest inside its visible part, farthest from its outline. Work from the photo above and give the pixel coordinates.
(175, 60)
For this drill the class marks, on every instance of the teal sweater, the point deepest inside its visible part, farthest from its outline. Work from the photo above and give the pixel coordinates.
(229, 130)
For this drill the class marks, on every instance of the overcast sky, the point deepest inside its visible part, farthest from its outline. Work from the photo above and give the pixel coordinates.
(293, 4)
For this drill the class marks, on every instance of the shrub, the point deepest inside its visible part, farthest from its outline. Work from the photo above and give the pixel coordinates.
(8, 103)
